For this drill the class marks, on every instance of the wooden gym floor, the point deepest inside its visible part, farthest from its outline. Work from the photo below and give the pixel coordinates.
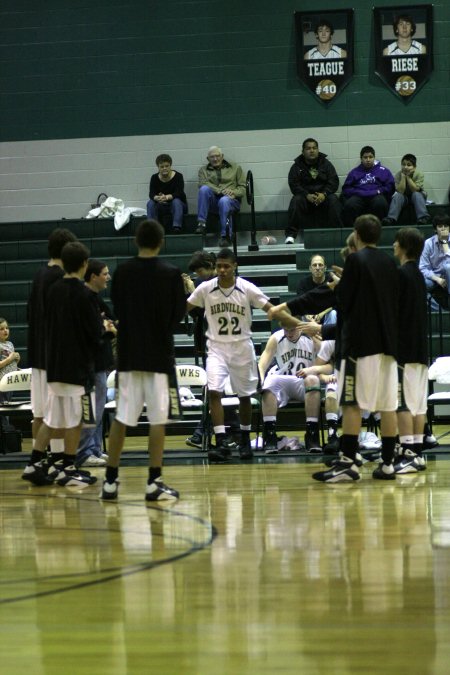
(257, 569)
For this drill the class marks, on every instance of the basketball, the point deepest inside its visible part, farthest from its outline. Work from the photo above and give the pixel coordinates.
(268, 240)
(326, 89)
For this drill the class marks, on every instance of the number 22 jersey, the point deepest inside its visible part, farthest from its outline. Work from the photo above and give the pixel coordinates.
(228, 311)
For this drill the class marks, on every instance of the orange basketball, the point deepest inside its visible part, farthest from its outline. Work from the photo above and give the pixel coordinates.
(326, 89)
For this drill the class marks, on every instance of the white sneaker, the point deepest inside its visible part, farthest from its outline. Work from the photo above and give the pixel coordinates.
(289, 240)
(93, 460)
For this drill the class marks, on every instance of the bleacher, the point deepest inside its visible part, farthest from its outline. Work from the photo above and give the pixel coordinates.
(275, 268)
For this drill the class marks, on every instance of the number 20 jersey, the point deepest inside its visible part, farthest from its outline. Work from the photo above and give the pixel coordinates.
(228, 311)
(293, 356)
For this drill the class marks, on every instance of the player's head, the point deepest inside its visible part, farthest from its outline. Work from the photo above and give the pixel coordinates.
(74, 257)
(410, 240)
(97, 274)
(441, 220)
(409, 159)
(149, 234)
(203, 263)
(350, 246)
(367, 229)
(226, 264)
(400, 25)
(323, 27)
(57, 239)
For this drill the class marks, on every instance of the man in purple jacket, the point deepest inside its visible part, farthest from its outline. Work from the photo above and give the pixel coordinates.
(368, 188)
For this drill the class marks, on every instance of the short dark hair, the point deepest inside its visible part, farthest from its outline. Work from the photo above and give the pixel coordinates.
(441, 218)
(200, 259)
(227, 254)
(410, 158)
(73, 256)
(411, 241)
(57, 239)
(403, 17)
(149, 234)
(94, 267)
(309, 140)
(367, 148)
(368, 228)
(163, 158)
(323, 22)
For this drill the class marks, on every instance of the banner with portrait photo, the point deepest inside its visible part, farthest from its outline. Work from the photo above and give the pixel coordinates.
(404, 47)
(324, 45)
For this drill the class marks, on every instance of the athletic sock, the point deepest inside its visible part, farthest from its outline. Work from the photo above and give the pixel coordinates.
(154, 472)
(36, 456)
(387, 449)
(349, 446)
(112, 473)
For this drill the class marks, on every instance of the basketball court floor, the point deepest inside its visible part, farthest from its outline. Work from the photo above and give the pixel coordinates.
(256, 569)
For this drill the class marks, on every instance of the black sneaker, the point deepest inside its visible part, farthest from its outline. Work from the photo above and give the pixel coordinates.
(388, 221)
(245, 448)
(224, 242)
(200, 229)
(270, 442)
(384, 472)
(194, 441)
(332, 445)
(219, 455)
(71, 477)
(37, 475)
(409, 462)
(344, 471)
(359, 461)
(157, 491)
(110, 491)
(312, 443)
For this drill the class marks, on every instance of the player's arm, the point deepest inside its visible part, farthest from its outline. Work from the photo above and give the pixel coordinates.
(266, 357)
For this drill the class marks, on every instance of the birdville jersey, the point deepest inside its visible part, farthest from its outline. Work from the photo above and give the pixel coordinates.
(228, 311)
(293, 356)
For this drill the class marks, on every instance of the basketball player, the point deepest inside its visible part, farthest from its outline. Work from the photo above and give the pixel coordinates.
(228, 302)
(413, 352)
(149, 303)
(404, 28)
(73, 331)
(325, 49)
(35, 472)
(292, 352)
(368, 305)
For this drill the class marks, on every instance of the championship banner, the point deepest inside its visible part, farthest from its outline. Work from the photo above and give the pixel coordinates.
(324, 42)
(404, 47)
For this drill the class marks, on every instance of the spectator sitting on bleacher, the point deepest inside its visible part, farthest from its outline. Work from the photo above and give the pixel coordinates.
(313, 182)
(221, 187)
(408, 188)
(318, 277)
(166, 194)
(368, 188)
(9, 359)
(435, 260)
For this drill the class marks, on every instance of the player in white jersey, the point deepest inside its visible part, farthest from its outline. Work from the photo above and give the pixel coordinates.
(325, 49)
(292, 352)
(404, 28)
(228, 302)
(324, 368)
